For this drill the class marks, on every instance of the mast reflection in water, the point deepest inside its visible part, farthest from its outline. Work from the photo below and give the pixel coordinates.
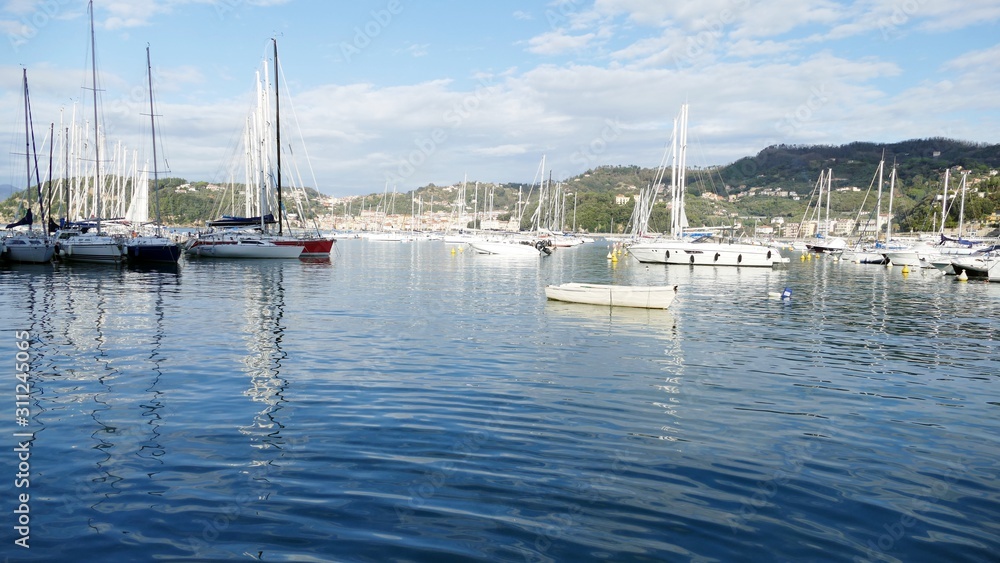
(402, 402)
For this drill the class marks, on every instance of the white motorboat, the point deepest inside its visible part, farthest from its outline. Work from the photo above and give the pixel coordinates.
(706, 251)
(512, 247)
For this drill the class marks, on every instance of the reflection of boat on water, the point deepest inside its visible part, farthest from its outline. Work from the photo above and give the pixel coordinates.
(624, 320)
(611, 295)
(107, 380)
(264, 330)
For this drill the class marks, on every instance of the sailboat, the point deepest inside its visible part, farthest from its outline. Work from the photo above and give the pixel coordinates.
(28, 246)
(521, 245)
(703, 250)
(154, 248)
(824, 244)
(250, 237)
(85, 243)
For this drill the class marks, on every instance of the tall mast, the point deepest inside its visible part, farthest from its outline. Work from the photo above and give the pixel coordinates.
(829, 192)
(944, 199)
(682, 173)
(674, 200)
(152, 130)
(27, 137)
(892, 189)
(277, 131)
(52, 142)
(961, 209)
(31, 152)
(97, 140)
(878, 205)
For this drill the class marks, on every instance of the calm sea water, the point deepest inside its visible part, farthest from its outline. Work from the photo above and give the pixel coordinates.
(401, 402)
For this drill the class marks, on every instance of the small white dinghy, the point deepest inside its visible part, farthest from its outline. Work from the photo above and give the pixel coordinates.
(644, 296)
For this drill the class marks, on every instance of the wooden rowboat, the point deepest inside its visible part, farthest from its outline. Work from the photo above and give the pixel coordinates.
(644, 296)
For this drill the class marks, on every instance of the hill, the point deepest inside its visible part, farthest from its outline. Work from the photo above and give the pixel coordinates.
(775, 183)
(778, 182)
(184, 203)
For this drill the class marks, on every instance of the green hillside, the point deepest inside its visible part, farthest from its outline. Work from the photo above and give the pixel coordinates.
(182, 203)
(777, 182)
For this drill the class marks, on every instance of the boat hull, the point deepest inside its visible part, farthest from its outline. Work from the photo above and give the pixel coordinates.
(506, 248)
(91, 248)
(706, 254)
(247, 249)
(646, 297)
(27, 250)
(311, 247)
(993, 274)
(152, 249)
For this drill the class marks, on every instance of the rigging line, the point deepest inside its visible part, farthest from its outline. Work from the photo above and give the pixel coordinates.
(295, 117)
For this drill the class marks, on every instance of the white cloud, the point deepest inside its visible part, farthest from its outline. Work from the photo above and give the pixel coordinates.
(751, 80)
(502, 150)
(558, 42)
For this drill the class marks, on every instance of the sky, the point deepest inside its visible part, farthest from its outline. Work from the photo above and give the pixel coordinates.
(397, 94)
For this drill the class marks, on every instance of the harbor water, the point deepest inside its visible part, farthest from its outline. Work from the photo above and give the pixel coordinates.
(418, 402)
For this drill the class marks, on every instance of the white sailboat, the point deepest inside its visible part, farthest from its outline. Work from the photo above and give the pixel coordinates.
(249, 236)
(824, 243)
(940, 254)
(28, 246)
(706, 250)
(520, 244)
(873, 251)
(86, 244)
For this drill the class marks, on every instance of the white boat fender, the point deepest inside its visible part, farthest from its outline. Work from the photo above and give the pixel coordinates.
(963, 276)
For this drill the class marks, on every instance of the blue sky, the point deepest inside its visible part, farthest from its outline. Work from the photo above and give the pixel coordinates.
(409, 93)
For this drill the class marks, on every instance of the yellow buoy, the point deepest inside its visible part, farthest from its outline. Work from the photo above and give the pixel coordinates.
(906, 269)
(963, 276)
(453, 251)
(614, 258)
